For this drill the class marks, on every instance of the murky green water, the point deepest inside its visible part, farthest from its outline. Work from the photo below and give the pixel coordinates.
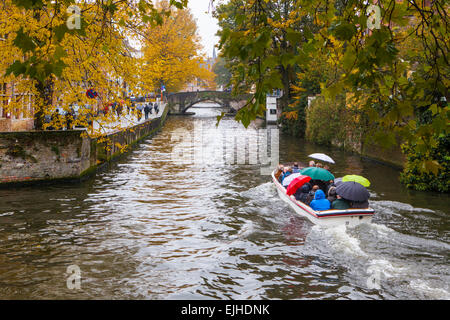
(152, 227)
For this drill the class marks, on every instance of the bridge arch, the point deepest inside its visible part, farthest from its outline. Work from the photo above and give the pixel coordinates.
(217, 101)
(180, 102)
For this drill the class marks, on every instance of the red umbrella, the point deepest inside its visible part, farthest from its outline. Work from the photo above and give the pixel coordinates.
(297, 183)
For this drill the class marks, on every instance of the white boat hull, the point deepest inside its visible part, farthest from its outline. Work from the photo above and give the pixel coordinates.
(329, 218)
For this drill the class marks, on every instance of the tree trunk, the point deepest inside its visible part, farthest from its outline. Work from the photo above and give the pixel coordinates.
(43, 103)
(285, 78)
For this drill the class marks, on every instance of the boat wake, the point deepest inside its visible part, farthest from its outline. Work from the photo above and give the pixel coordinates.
(378, 262)
(381, 260)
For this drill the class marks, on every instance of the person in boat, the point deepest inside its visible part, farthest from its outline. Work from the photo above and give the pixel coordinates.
(329, 185)
(359, 204)
(279, 172)
(332, 194)
(311, 194)
(283, 172)
(320, 203)
(302, 192)
(340, 203)
(321, 184)
(287, 172)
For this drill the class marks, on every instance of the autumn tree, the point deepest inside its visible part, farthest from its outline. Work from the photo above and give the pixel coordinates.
(391, 56)
(172, 53)
(260, 41)
(221, 72)
(68, 46)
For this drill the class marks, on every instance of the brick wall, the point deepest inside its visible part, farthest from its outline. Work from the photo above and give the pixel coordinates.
(43, 155)
(51, 155)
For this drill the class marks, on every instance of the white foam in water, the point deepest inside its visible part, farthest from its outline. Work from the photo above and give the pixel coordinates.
(342, 241)
(381, 229)
(373, 194)
(398, 206)
(386, 268)
(245, 231)
(262, 191)
(432, 293)
(387, 234)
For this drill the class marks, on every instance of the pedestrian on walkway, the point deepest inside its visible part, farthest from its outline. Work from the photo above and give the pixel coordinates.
(70, 117)
(139, 108)
(146, 111)
(119, 110)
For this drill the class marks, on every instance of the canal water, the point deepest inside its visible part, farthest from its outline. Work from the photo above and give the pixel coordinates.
(156, 225)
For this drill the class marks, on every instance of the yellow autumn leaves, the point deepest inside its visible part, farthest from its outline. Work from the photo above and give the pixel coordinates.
(171, 53)
(117, 53)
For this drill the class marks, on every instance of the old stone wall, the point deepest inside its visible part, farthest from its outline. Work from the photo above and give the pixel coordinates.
(43, 155)
(393, 156)
(36, 156)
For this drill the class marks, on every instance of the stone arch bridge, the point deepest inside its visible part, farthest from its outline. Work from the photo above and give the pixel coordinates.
(180, 102)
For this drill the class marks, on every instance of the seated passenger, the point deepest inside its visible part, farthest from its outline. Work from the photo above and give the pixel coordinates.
(311, 194)
(329, 185)
(279, 172)
(287, 172)
(359, 204)
(283, 171)
(302, 193)
(331, 194)
(320, 203)
(340, 203)
(321, 184)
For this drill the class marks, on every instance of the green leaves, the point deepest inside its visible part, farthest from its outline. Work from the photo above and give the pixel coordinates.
(17, 68)
(24, 42)
(36, 70)
(28, 4)
(343, 30)
(179, 4)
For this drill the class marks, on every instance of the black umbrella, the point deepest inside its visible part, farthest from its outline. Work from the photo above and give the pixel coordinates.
(352, 191)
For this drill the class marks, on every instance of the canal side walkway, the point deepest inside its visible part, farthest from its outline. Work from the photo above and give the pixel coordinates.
(126, 120)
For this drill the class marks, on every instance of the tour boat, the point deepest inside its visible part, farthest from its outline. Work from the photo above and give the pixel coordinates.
(349, 217)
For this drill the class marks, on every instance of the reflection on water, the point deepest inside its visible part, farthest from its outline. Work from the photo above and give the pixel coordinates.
(152, 228)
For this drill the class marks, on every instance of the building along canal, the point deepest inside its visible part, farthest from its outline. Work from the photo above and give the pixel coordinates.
(157, 226)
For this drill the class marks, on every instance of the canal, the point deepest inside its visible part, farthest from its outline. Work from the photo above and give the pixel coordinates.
(155, 226)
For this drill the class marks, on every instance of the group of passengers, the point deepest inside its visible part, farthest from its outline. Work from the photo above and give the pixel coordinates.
(319, 195)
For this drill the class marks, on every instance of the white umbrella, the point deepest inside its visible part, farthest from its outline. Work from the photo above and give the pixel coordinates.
(290, 178)
(321, 156)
